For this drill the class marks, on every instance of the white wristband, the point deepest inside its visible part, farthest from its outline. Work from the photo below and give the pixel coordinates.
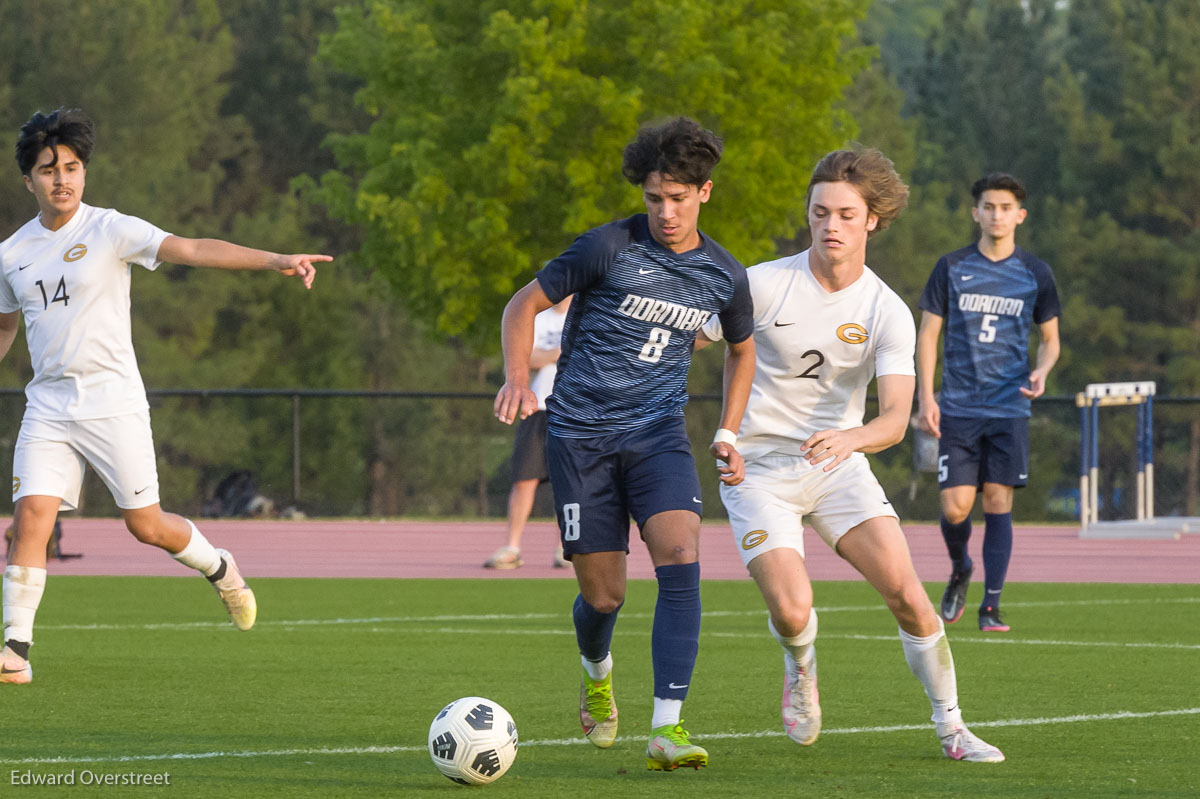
(724, 436)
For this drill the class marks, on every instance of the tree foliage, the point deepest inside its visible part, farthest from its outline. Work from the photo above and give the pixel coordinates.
(498, 129)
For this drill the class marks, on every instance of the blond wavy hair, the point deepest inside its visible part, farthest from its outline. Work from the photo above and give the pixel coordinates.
(873, 176)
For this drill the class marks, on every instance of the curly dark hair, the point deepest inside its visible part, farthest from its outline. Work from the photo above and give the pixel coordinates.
(872, 174)
(680, 149)
(998, 181)
(70, 127)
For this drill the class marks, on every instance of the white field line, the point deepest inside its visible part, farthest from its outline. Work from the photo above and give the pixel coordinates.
(372, 750)
(765, 636)
(709, 614)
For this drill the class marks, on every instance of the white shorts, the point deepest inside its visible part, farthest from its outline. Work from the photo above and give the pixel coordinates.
(50, 458)
(767, 509)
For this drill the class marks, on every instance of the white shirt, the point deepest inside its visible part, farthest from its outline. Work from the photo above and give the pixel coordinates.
(547, 335)
(72, 286)
(816, 353)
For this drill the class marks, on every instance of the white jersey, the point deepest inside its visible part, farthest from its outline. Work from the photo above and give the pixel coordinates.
(816, 353)
(72, 286)
(547, 335)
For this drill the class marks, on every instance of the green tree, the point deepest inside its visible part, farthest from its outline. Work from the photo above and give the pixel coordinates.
(498, 128)
(1130, 185)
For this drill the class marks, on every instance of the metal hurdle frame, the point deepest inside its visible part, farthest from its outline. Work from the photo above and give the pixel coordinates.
(1090, 401)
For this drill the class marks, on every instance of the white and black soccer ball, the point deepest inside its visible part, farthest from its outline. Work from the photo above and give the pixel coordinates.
(473, 740)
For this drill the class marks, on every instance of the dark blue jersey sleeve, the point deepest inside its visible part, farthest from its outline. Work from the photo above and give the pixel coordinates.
(935, 295)
(584, 263)
(1047, 306)
(737, 320)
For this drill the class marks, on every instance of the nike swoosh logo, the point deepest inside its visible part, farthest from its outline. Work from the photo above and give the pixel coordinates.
(968, 277)
(696, 500)
(675, 687)
(1022, 476)
(26, 266)
(646, 271)
(7, 670)
(140, 490)
(784, 324)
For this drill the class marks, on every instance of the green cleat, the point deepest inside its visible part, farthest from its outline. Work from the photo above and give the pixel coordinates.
(669, 748)
(598, 710)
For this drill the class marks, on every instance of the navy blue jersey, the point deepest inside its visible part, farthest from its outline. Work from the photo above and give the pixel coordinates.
(990, 308)
(627, 341)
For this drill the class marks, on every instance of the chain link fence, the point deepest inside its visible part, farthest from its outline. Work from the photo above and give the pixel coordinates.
(335, 453)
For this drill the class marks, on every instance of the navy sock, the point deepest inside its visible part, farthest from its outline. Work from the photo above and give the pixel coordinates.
(956, 537)
(593, 629)
(997, 549)
(675, 639)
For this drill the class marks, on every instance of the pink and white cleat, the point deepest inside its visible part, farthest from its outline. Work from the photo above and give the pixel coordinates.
(959, 743)
(800, 706)
(14, 668)
(237, 596)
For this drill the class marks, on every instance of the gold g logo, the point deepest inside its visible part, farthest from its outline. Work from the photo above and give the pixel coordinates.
(753, 538)
(76, 252)
(852, 333)
(16, 485)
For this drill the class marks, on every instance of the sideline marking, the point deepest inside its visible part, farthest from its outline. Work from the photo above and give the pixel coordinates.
(711, 614)
(372, 750)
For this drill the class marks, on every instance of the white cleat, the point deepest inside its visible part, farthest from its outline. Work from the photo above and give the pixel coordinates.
(800, 706)
(14, 669)
(237, 596)
(959, 743)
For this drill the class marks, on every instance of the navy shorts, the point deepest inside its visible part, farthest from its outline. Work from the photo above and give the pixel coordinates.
(529, 449)
(600, 482)
(978, 451)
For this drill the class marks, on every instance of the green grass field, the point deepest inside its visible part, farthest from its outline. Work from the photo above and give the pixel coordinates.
(1095, 693)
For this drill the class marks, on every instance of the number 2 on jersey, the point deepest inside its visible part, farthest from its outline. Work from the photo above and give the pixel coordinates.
(60, 294)
(652, 350)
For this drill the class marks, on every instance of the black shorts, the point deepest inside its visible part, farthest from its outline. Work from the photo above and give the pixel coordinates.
(978, 451)
(600, 482)
(529, 449)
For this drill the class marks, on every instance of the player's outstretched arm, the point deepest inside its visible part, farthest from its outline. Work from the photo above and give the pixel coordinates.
(217, 254)
(515, 399)
(9, 322)
(1047, 356)
(929, 415)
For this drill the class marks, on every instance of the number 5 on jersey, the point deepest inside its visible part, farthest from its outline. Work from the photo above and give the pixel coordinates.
(60, 294)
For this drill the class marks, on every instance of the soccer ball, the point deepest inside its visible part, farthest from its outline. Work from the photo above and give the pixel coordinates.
(473, 740)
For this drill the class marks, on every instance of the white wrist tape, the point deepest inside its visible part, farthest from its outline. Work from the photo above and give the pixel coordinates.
(724, 436)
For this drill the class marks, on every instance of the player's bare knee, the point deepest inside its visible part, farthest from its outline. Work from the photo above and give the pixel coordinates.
(605, 603)
(792, 620)
(145, 531)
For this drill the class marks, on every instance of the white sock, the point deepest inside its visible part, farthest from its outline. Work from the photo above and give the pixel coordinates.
(199, 554)
(800, 647)
(666, 711)
(598, 669)
(23, 587)
(932, 664)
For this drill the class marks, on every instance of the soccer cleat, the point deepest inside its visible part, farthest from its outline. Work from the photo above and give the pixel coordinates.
(598, 710)
(669, 748)
(14, 668)
(955, 598)
(801, 707)
(559, 561)
(505, 557)
(237, 596)
(959, 743)
(990, 621)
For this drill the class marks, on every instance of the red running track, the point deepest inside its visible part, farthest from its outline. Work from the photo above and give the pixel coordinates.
(457, 549)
